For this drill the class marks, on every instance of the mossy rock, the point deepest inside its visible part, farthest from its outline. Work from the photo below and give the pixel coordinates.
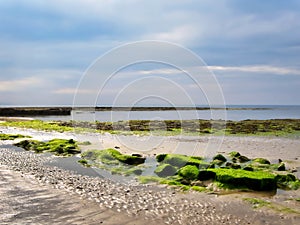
(220, 157)
(112, 156)
(206, 175)
(160, 157)
(165, 170)
(287, 181)
(261, 161)
(57, 146)
(182, 160)
(128, 159)
(234, 154)
(217, 162)
(243, 159)
(237, 178)
(232, 165)
(12, 136)
(189, 172)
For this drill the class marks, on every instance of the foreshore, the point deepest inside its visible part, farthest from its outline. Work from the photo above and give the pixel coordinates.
(139, 203)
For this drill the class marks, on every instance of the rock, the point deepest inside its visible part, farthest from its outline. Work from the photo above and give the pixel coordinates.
(262, 161)
(234, 154)
(248, 168)
(220, 157)
(165, 170)
(243, 159)
(206, 175)
(237, 178)
(281, 167)
(189, 172)
(160, 157)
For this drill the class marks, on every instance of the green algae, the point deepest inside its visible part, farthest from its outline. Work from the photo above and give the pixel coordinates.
(115, 162)
(12, 136)
(280, 127)
(61, 147)
(189, 172)
(253, 180)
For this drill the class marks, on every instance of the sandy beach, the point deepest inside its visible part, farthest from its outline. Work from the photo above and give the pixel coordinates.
(30, 186)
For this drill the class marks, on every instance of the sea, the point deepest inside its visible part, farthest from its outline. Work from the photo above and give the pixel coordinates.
(233, 113)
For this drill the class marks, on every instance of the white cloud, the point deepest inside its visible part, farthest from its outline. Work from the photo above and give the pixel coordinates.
(20, 84)
(257, 69)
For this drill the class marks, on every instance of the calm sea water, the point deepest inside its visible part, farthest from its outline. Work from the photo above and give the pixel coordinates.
(243, 112)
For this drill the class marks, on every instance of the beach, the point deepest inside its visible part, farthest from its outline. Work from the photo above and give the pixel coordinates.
(91, 199)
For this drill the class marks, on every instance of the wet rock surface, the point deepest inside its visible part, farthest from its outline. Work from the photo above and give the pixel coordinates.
(143, 202)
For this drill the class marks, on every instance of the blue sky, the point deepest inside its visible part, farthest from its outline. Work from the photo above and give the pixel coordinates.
(253, 47)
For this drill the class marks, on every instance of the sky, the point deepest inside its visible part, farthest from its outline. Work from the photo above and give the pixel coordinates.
(251, 47)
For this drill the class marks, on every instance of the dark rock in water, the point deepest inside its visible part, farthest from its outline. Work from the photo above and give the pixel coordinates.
(206, 175)
(117, 147)
(220, 157)
(138, 172)
(243, 159)
(160, 157)
(233, 165)
(165, 170)
(279, 161)
(137, 155)
(294, 170)
(281, 167)
(217, 162)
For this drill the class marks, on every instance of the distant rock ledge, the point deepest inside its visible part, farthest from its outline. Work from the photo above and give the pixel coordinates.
(35, 111)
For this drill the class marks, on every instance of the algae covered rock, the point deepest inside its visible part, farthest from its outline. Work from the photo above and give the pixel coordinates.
(220, 157)
(112, 156)
(62, 147)
(12, 136)
(165, 170)
(180, 160)
(234, 154)
(237, 178)
(261, 161)
(160, 157)
(189, 172)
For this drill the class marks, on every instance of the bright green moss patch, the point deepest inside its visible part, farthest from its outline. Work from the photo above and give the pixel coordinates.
(254, 180)
(180, 160)
(189, 172)
(61, 147)
(12, 136)
(38, 125)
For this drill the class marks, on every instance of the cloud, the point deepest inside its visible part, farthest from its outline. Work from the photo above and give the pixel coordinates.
(257, 69)
(20, 84)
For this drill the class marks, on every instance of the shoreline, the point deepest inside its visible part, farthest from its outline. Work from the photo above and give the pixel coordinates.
(153, 204)
(141, 201)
